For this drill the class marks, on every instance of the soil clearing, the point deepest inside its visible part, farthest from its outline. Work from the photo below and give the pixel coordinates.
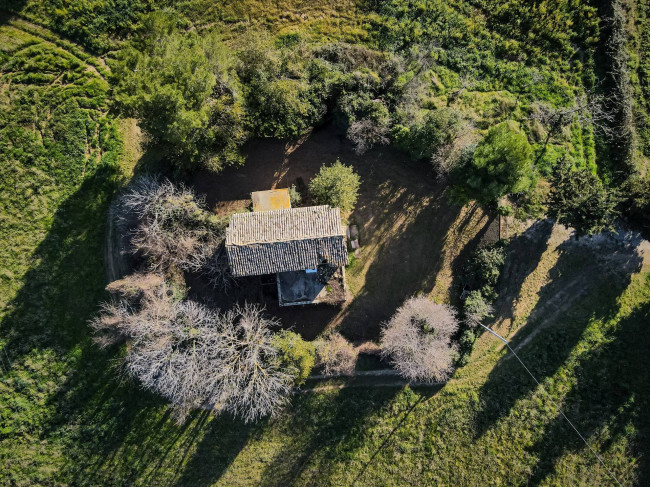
(412, 239)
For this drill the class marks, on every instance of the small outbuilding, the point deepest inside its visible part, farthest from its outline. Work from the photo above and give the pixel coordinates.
(304, 247)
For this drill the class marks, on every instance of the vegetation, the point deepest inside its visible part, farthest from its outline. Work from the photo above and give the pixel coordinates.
(336, 185)
(418, 340)
(500, 165)
(336, 356)
(178, 87)
(172, 231)
(194, 357)
(437, 79)
(296, 354)
(580, 200)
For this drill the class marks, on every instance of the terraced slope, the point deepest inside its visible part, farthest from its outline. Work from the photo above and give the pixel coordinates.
(59, 152)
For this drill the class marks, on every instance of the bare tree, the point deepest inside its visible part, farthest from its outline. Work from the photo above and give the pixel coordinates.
(367, 133)
(336, 355)
(173, 229)
(588, 109)
(417, 340)
(195, 357)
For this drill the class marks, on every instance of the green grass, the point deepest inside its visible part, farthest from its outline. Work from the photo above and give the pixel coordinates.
(67, 416)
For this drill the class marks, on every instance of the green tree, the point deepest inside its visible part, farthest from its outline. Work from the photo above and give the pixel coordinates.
(280, 101)
(336, 185)
(501, 165)
(579, 199)
(178, 87)
(296, 354)
(637, 206)
(421, 140)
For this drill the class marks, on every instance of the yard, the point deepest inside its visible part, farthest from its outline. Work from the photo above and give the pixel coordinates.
(411, 236)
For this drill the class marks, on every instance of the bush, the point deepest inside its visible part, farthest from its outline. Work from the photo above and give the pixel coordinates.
(500, 165)
(367, 118)
(580, 200)
(297, 355)
(417, 340)
(484, 269)
(477, 308)
(637, 205)
(422, 140)
(295, 198)
(336, 185)
(336, 355)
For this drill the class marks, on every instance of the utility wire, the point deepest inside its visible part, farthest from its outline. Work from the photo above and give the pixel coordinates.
(554, 404)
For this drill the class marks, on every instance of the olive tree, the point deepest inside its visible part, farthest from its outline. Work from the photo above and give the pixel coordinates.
(417, 340)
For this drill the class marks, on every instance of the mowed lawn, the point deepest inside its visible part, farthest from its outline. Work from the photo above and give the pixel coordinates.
(577, 313)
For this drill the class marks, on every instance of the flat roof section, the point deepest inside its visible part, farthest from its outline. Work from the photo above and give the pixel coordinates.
(273, 199)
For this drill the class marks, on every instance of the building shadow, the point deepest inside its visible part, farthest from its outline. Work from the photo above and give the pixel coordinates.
(584, 286)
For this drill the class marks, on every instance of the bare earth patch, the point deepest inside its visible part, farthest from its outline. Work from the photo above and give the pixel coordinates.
(411, 237)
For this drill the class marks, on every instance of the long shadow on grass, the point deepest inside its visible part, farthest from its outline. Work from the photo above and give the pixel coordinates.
(585, 285)
(610, 400)
(322, 430)
(110, 430)
(524, 254)
(407, 262)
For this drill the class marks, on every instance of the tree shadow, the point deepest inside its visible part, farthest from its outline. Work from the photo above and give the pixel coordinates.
(325, 429)
(524, 253)
(584, 285)
(611, 395)
(402, 214)
(408, 256)
(109, 429)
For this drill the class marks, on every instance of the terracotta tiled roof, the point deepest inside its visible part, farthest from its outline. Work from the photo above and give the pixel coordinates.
(285, 240)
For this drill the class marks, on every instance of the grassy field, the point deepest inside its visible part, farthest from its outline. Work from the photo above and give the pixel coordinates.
(578, 313)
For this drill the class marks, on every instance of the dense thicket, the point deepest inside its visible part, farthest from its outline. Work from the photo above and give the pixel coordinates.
(178, 87)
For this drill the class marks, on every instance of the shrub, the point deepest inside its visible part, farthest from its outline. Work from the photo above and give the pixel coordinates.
(422, 140)
(297, 355)
(500, 165)
(477, 308)
(336, 355)
(637, 205)
(367, 118)
(579, 199)
(418, 340)
(484, 268)
(294, 196)
(336, 185)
